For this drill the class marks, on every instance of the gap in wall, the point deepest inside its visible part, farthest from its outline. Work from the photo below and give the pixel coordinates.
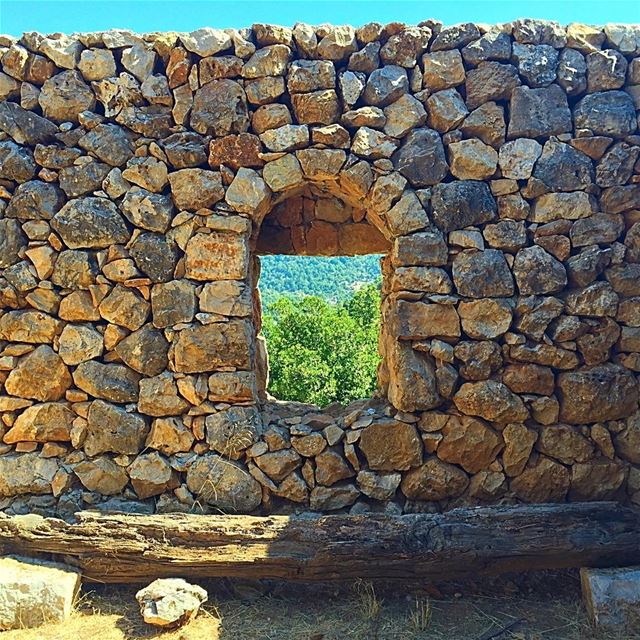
(321, 321)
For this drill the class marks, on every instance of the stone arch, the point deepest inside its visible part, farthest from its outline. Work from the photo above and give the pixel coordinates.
(313, 216)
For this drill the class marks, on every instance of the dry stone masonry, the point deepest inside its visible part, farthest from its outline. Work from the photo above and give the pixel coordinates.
(496, 167)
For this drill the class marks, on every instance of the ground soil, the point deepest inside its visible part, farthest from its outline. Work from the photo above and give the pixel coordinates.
(536, 606)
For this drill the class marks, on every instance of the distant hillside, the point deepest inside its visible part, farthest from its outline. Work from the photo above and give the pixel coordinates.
(333, 279)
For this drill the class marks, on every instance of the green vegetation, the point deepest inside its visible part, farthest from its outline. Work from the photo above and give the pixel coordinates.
(320, 351)
(334, 279)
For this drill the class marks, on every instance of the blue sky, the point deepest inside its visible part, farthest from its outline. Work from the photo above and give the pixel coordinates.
(48, 16)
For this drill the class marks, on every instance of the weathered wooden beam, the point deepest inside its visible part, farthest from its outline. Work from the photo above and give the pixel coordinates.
(458, 543)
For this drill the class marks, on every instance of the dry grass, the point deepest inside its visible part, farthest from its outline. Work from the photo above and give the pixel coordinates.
(543, 606)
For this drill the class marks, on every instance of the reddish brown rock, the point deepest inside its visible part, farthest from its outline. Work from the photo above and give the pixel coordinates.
(318, 107)
(49, 422)
(235, 151)
(41, 375)
(434, 480)
(331, 467)
(469, 442)
(490, 400)
(529, 378)
(209, 347)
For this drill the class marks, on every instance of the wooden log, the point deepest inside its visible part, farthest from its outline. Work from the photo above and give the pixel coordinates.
(462, 542)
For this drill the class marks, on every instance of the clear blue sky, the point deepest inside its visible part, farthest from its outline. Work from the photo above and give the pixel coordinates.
(48, 16)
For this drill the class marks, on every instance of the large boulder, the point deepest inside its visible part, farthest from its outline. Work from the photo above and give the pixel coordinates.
(519, 441)
(482, 274)
(25, 127)
(606, 113)
(26, 473)
(418, 320)
(391, 445)
(543, 480)
(564, 443)
(469, 442)
(125, 308)
(472, 159)
(151, 475)
(220, 108)
(563, 168)
(79, 180)
(537, 64)
(224, 484)
(217, 256)
(491, 400)
(209, 347)
(539, 112)
(112, 429)
(461, 204)
(612, 598)
(421, 158)
(40, 375)
(485, 319)
(434, 480)
(35, 592)
(109, 142)
(172, 302)
(155, 255)
(604, 392)
(79, 343)
(112, 382)
(90, 223)
(16, 162)
(386, 85)
(35, 200)
(65, 96)
(412, 380)
(144, 350)
(159, 396)
(47, 422)
(233, 430)
(194, 189)
(538, 272)
(490, 81)
(379, 486)
(12, 241)
(151, 211)
(278, 464)
(102, 475)
(34, 327)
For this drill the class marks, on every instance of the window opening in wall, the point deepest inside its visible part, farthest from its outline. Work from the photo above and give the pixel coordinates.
(318, 274)
(321, 322)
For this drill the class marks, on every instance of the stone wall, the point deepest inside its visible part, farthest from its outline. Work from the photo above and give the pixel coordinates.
(497, 168)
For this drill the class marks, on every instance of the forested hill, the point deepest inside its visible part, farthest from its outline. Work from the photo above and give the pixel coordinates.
(334, 279)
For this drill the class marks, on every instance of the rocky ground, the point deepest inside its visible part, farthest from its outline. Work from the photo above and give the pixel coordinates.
(543, 606)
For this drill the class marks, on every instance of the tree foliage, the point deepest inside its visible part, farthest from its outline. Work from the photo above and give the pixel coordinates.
(332, 278)
(321, 352)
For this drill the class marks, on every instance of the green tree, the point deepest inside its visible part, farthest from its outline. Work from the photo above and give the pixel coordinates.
(321, 352)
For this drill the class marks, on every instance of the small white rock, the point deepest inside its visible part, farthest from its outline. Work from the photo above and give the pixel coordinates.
(170, 602)
(206, 41)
